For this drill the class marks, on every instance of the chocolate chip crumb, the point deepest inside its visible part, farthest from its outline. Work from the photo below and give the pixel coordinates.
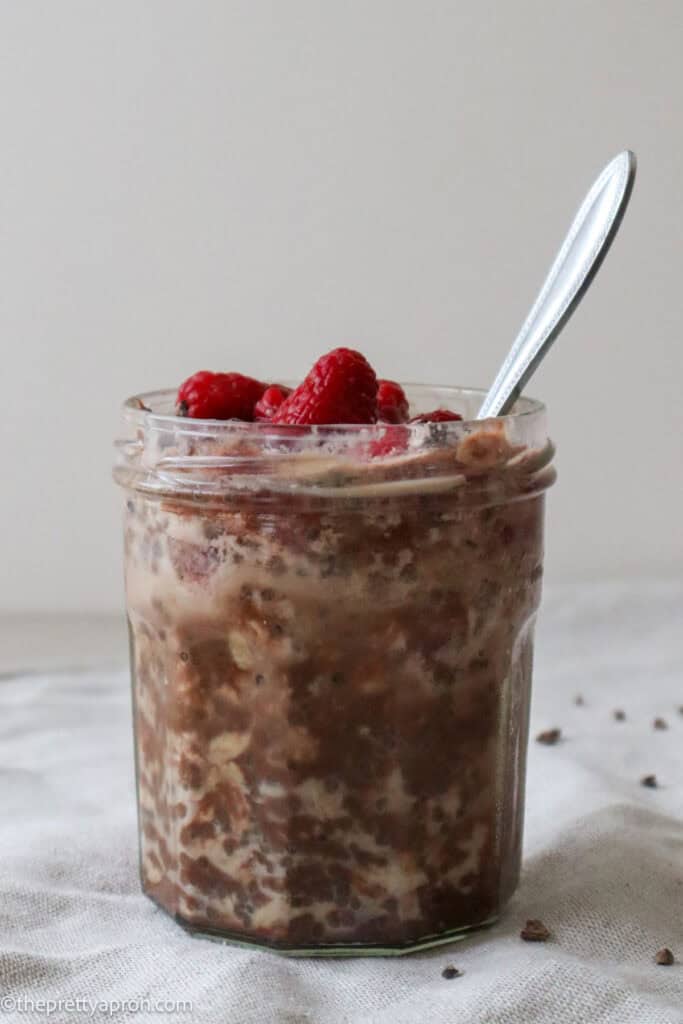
(649, 781)
(550, 737)
(659, 723)
(619, 715)
(453, 972)
(276, 565)
(579, 701)
(664, 957)
(534, 931)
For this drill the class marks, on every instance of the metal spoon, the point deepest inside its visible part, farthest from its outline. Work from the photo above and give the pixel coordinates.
(575, 266)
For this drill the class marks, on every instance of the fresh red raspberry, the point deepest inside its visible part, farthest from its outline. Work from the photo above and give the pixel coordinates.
(219, 396)
(393, 441)
(437, 416)
(270, 401)
(392, 404)
(341, 388)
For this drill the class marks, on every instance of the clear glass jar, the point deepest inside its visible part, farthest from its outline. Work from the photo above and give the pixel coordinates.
(331, 647)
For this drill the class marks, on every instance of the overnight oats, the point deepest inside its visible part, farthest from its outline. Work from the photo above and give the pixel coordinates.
(331, 609)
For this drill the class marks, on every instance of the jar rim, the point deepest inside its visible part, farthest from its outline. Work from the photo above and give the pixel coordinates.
(155, 408)
(220, 459)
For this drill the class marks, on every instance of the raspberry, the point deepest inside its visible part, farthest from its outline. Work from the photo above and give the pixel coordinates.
(437, 416)
(219, 396)
(392, 404)
(393, 441)
(270, 401)
(341, 388)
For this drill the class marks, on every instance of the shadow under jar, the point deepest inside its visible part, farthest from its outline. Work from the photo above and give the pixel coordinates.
(331, 648)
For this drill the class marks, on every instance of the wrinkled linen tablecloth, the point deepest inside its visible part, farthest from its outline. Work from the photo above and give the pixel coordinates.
(603, 865)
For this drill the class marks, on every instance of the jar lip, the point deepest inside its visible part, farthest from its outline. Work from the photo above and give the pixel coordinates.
(204, 459)
(151, 408)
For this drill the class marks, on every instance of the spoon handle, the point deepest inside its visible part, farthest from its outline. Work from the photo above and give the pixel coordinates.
(575, 266)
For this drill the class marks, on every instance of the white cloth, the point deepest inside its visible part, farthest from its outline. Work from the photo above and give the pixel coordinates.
(603, 864)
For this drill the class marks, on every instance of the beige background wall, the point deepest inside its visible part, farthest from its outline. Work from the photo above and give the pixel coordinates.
(240, 185)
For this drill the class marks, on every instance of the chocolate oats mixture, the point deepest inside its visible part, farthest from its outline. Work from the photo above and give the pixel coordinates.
(331, 671)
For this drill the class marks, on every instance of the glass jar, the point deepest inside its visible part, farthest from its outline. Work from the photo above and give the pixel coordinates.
(331, 647)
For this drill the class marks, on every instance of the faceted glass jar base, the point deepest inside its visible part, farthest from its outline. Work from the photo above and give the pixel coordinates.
(330, 949)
